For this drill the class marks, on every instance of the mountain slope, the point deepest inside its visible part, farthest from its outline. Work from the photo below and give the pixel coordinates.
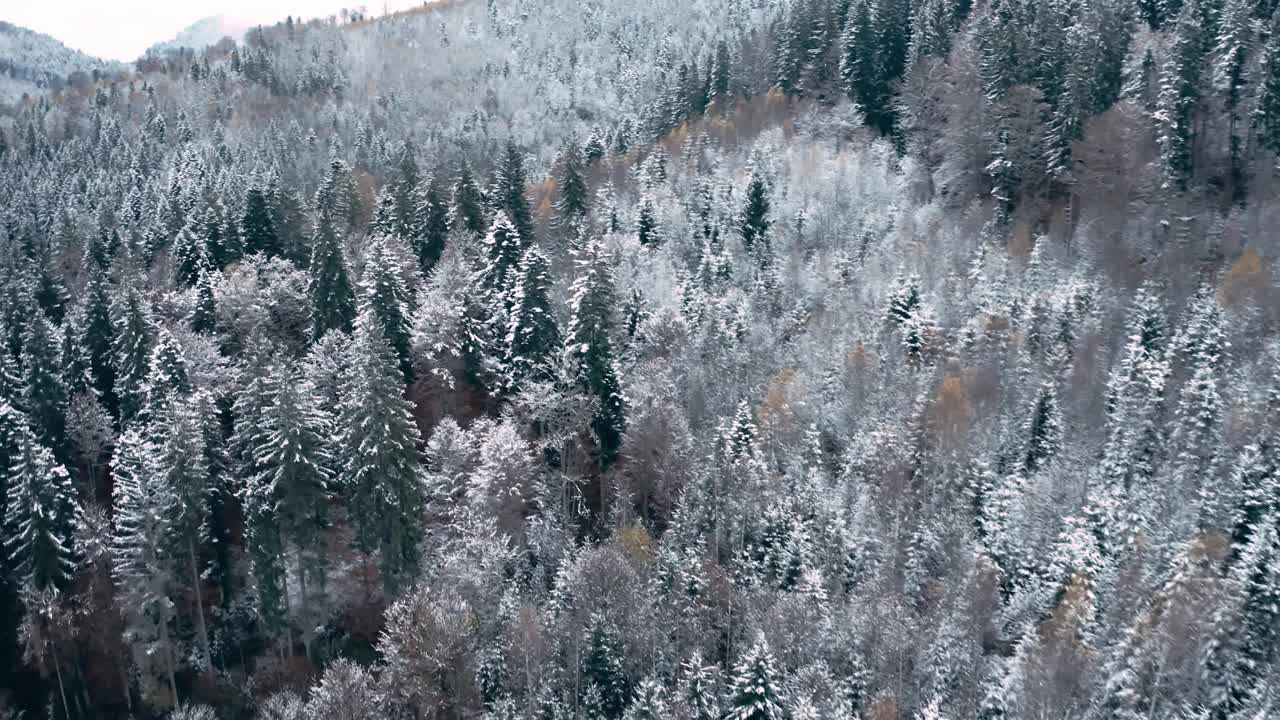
(32, 61)
(203, 33)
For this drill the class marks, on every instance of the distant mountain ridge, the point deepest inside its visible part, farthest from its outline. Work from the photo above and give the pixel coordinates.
(203, 33)
(32, 62)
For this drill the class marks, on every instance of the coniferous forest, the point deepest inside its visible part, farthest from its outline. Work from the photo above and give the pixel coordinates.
(670, 360)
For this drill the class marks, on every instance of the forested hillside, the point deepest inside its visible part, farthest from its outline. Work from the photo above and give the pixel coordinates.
(620, 360)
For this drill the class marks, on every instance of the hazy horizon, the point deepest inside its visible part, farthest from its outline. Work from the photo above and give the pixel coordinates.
(124, 29)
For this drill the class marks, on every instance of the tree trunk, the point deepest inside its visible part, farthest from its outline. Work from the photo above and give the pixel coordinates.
(200, 626)
(62, 690)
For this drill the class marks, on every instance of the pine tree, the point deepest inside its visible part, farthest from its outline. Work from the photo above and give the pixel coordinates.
(44, 394)
(131, 351)
(141, 552)
(96, 341)
(204, 317)
(500, 271)
(532, 335)
(1266, 115)
(286, 498)
(167, 377)
(648, 703)
(754, 222)
(189, 258)
(1230, 56)
(573, 202)
(509, 193)
(589, 350)
(1179, 97)
(258, 226)
(700, 689)
(432, 213)
(183, 466)
(754, 690)
(378, 455)
(606, 680)
(647, 223)
(467, 210)
(1044, 429)
(333, 304)
(383, 292)
(39, 516)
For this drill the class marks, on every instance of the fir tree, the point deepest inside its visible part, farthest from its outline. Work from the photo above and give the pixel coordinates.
(132, 351)
(754, 222)
(204, 317)
(1266, 115)
(467, 210)
(39, 515)
(382, 291)
(572, 204)
(96, 340)
(647, 223)
(1179, 97)
(44, 394)
(258, 226)
(606, 680)
(532, 335)
(754, 692)
(589, 349)
(333, 305)
(432, 213)
(1044, 429)
(509, 193)
(379, 455)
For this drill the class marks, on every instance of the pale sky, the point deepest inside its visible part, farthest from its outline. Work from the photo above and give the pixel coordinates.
(123, 29)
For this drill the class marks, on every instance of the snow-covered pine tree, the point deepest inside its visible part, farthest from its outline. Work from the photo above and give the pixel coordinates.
(378, 455)
(589, 349)
(755, 688)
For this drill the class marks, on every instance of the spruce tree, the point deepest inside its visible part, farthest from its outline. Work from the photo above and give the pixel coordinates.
(378, 455)
(509, 193)
(606, 679)
(467, 209)
(333, 305)
(1179, 97)
(755, 221)
(131, 351)
(382, 291)
(532, 335)
(647, 223)
(754, 692)
(96, 340)
(1266, 115)
(589, 349)
(258, 225)
(44, 395)
(39, 516)
(204, 317)
(573, 202)
(432, 212)
(1044, 430)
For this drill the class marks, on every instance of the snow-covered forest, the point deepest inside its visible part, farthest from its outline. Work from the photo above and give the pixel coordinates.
(650, 360)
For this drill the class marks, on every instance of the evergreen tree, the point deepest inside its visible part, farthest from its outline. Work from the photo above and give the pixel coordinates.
(532, 335)
(589, 349)
(1266, 114)
(383, 292)
(189, 257)
(333, 304)
(96, 340)
(141, 551)
(606, 680)
(183, 466)
(1179, 96)
(432, 213)
(467, 210)
(755, 687)
(39, 515)
(258, 225)
(572, 204)
(132, 351)
(1044, 429)
(509, 193)
(647, 223)
(754, 221)
(204, 318)
(44, 395)
(378, 455)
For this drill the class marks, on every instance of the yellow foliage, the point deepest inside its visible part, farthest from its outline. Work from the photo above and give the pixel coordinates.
(1248, 275)
(636, 544)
